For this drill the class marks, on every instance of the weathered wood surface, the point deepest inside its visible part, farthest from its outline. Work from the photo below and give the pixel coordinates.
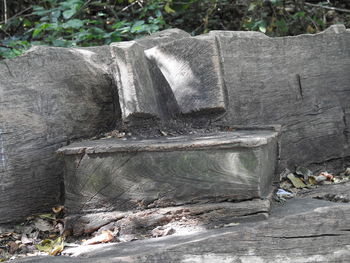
(52, 95)
(318, 235)
(334, 192)
(241, 138)
(48, 97)
(186, 217)
(142, 89)
(192, 68)
(175, 171)
(302, 83)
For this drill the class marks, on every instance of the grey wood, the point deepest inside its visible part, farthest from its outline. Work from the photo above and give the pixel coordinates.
(300, 82)
(241, 138)
(122, 175)
(318, 235)
(334, 192)
(192, 68)
(198, 216)
(142, 89)
(48, 96)
(51, 96)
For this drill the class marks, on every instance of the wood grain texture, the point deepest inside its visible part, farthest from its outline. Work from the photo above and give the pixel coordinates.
(142, 89)
(192, 68)
(301, 82)
(48, 97)
(152, 176)
(197, 216)
(318, 235)
(240, 138)
(339, 193)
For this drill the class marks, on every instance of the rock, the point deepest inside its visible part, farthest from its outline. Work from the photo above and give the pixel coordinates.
(192, 68)
(114, 174)
(48, 97)
(299, 82)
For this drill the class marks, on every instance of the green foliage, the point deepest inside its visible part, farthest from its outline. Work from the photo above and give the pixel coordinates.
(67, 23)
(276, 19)
(82, 23)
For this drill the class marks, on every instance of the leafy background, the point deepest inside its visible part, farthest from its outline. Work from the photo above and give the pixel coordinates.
(66, 23)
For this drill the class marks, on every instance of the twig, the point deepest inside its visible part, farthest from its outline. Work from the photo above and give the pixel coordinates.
(5, 11)
(6, 46)
(329, 7)
(128, 6)
(4, 21)
(85, 4)
(80, 8)
(3, 30)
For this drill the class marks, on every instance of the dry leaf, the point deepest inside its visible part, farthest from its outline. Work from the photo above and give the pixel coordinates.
(104, 237)
(328, 176)
(297, 182)
(304, 172)
(161, 232)
(7, 234)
(57, 248)
(312, 180)
(43, 225)
(57, 209)
(163, 133)
(13, 247)
(26, 240)
(320, 178)
(47, 216)
(52, 247)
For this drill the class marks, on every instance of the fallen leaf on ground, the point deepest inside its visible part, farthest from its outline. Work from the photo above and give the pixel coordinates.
(320, 178)
(312, 180)
(161, 232)
(104, 237)
(163, 133)
(57, 209)
(284, 174)
(47, 216)
(328, 176)
(13, 247)
(43, 225)
(286, 185)
(26, 240)
(297, 182)
(59, 228)
(52, 247)
(7, 234)
(304, 172)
